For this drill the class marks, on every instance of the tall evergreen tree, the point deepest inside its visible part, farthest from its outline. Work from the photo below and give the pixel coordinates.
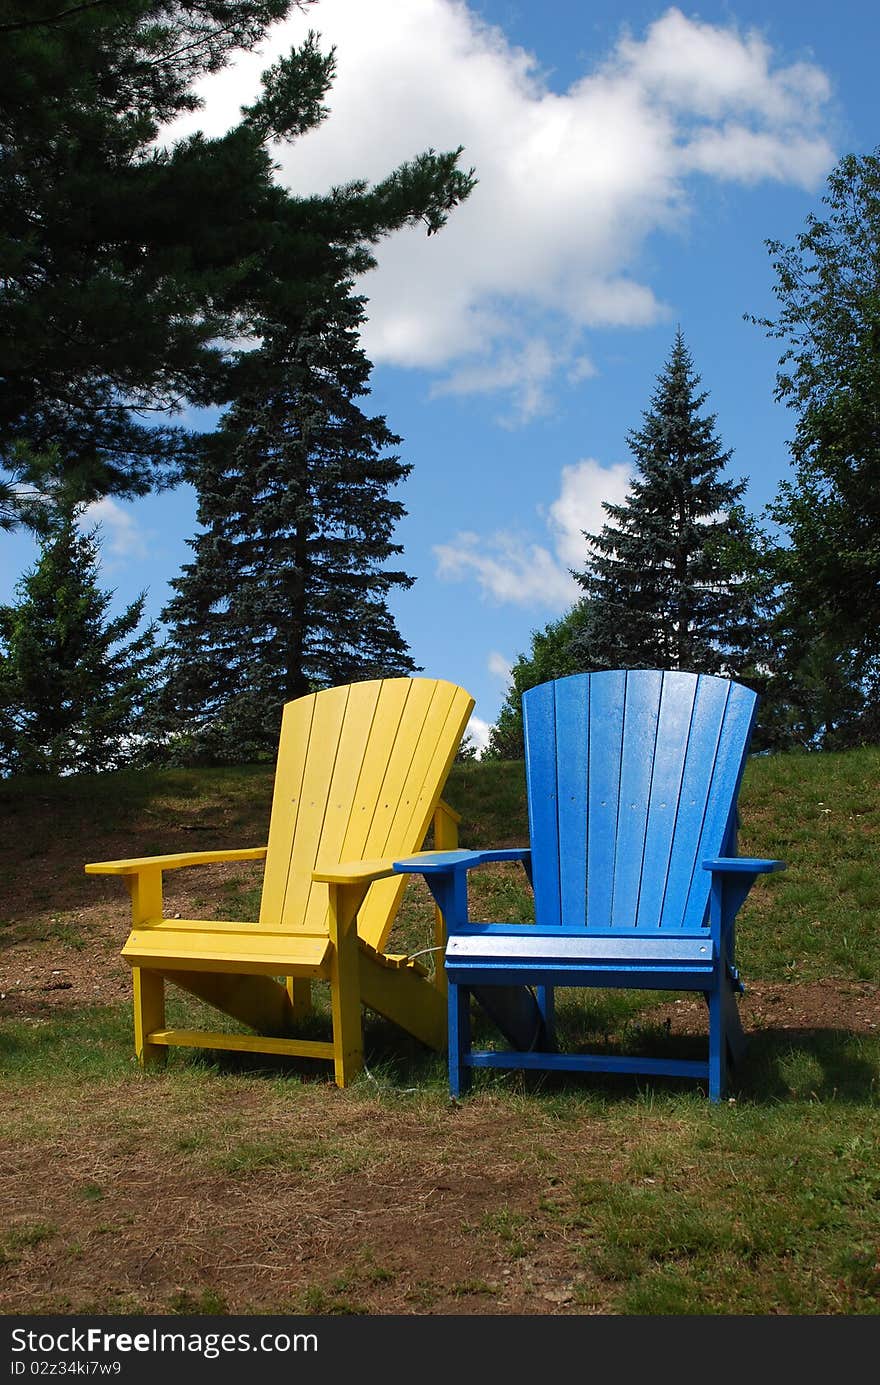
(672, 580)
(289, 587)
(128, 269)
(75, 682)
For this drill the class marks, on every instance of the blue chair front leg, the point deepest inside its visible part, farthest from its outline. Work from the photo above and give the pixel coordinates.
(547, 1005)
(732, 878)
(459, 1038)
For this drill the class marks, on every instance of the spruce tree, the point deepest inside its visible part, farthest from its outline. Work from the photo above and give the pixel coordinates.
(672, 580)
(288, 589)
(75, 682)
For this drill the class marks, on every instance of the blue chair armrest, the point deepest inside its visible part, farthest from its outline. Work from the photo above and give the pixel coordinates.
(740, 865)
(437, 862)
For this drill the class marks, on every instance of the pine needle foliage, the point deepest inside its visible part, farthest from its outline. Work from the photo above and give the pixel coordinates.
(289, 585)
(75, 681)
(672, 578)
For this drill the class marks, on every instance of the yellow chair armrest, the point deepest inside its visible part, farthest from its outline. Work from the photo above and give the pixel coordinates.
(355, 872)
(174, 862)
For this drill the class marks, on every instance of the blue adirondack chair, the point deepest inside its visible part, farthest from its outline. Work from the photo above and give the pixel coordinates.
(632, 780)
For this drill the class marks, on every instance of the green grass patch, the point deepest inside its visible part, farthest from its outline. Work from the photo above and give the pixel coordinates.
(745, 1211)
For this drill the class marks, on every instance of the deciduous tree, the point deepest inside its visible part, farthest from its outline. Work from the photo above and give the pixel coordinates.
(828, 288)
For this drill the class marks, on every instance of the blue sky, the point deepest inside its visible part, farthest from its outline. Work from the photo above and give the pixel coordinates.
(632, 158)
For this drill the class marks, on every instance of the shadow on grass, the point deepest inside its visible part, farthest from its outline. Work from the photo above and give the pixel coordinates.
(781, 1065)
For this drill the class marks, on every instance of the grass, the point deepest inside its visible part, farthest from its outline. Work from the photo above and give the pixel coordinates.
(539, 1193)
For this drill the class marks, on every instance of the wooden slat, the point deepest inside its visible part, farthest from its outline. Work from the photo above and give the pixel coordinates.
(241, 1043)
(393, 699)
(607, 692)
(176, 861)
(296, 727)
(266, 954)
(429, 763)
(727, 775)
(448, 716)
(539, 726)
(572, 753)
(640, 949)
(673, 729)
(323, 747)
(380, 906)
(641, 717)
(702, 752)
(224, 927)
(358, 730)
(410, 745)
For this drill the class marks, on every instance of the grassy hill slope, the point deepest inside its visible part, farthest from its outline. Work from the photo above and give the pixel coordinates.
(228, 1185)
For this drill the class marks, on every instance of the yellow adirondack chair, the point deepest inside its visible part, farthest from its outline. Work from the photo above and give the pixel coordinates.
(358, 781)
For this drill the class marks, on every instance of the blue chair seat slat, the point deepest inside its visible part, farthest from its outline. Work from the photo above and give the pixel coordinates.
(642, 949)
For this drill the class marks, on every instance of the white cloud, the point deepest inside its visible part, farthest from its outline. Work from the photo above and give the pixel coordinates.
(571, 184)
(585, 487)
(499, 666)
(514, 570)
(710, 71)
(478, 731)
(120, 535)
(508, 568)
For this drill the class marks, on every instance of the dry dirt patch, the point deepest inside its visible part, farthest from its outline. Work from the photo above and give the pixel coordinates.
(357, 1207)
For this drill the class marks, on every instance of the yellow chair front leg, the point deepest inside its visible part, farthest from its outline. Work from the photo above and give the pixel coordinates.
(348, 1038)
(148, 987)
(145, 888)
(149, 1015)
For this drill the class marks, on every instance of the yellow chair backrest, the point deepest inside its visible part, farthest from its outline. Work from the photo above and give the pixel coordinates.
(360, 770)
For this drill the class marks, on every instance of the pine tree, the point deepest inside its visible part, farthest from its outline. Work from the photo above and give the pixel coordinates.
(673, 580)
(74, 681)
(288, 589)
(128, 267)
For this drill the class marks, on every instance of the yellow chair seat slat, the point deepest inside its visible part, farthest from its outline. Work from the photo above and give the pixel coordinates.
(254, 952)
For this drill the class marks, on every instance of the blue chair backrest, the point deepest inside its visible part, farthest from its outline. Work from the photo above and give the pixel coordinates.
(632, 780)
